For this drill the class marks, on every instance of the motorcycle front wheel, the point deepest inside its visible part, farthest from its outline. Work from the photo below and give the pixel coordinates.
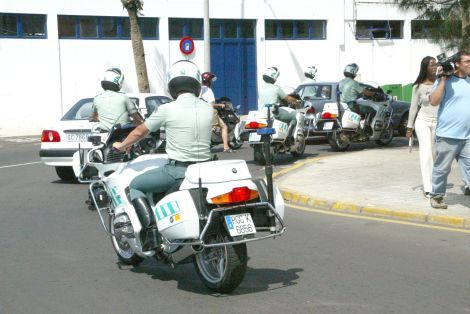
(386, 137)
(122, 248)
(223, 268)
(259, 156)
(338, 141)
(300, 146)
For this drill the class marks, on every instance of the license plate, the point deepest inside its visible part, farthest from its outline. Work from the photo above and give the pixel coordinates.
(77, 137)
(240, 224)
(254, 137)
(328, 125)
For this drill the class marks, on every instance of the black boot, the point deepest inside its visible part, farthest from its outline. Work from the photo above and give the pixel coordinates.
(149, 232)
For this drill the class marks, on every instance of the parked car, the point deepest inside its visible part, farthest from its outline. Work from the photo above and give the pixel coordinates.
(316, 94)
(62, 139)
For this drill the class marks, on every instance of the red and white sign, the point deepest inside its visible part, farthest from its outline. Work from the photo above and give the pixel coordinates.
(186, 45)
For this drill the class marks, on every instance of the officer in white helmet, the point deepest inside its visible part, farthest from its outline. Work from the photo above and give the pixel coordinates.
(111, 106)
(269, 93)
(188, 123)
(310, 75)
(350, 89)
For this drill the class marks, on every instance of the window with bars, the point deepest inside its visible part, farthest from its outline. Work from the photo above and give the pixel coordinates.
(104, 27)
(23, 25)
(295, 29)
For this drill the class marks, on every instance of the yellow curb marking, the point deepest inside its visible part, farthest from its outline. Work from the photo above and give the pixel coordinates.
(297, 165)
(455, 221)
(409, 215)
(328, 212)
(345, 207)
(377, 211)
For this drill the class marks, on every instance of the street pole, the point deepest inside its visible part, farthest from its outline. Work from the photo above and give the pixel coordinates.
(207, 38)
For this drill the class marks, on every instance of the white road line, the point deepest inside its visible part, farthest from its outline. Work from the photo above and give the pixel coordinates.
(18, 165)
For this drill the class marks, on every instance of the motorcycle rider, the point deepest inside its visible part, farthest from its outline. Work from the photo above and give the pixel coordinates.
(208, 95)
(188, 123)
(351, 90)
(310, 74)
(111, 106)
(269, 93)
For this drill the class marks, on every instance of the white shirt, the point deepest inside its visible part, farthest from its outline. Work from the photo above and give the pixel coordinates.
(207, 94)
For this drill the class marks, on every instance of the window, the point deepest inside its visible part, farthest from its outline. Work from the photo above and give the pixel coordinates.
(109, 27)
(22, 25)
(295, 29)
(180, 28)
(422, 29)
(379, 29)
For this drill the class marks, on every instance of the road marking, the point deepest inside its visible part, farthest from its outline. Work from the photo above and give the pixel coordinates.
(22, 139)
(327, 212)
(18, 165)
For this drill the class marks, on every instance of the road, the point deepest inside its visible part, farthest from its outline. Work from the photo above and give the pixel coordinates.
(56, 259)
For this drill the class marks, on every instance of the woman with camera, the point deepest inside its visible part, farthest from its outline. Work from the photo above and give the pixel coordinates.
(423, 119)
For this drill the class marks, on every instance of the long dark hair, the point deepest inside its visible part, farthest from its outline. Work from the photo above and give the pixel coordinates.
(423, 70)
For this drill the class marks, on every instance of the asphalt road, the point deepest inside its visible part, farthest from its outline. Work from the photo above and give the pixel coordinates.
(55, 258)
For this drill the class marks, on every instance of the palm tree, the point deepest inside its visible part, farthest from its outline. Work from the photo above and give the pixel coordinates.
(449, 20)
(133, 8)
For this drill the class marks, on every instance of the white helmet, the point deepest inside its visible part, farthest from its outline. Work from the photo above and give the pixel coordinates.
(184, 77)
(112, 79)
(351, 69)
(310, 72)
(271, 74)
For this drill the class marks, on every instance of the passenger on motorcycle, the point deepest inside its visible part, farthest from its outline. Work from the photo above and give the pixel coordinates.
(269, 93)
(188, 123)
(111, 106)
(310, 74)
(351, 90)
(208, 95)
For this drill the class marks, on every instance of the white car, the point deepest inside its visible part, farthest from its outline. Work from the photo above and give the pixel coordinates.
(62, 140)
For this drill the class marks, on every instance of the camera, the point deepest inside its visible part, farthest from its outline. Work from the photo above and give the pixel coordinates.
(447, 63)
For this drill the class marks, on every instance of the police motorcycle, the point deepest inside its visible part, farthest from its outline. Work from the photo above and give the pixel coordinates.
(343, 126)
(280, 144)
(228, 114)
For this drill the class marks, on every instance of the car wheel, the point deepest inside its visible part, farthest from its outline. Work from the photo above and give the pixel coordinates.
(403, 125)
(65, 173)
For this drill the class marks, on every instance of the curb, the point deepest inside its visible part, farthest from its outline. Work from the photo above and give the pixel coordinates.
(342, 207)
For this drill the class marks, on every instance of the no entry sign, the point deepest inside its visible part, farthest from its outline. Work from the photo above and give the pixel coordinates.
(186, 45)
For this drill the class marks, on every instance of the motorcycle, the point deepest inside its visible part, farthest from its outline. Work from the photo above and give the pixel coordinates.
(280, 143)
(229, 116)
(206, 219)
(343, 126)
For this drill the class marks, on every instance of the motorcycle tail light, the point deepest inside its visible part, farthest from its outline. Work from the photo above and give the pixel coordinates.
(50, 136)
(328, 115)
(237, 195)
(310, 110)
(255, 125)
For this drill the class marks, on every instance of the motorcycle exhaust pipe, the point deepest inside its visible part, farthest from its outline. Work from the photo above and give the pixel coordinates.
(181, 254)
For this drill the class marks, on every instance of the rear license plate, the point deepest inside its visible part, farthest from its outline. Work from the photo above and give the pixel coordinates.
(328, 125)
(240, 224)
(77, 137)
(254, 137)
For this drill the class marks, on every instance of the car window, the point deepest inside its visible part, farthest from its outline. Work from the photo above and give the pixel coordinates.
(315, 92)
(152, 103)
(80, 111)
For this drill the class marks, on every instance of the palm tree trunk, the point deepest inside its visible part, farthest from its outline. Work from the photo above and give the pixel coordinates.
(465, 18)
(139, 53)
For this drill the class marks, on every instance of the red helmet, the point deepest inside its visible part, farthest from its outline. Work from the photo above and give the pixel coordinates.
(208, 78)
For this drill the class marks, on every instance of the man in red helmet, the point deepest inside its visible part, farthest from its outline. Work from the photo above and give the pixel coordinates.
(208, 95)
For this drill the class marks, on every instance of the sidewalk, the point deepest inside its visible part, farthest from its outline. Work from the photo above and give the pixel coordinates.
(382, 182)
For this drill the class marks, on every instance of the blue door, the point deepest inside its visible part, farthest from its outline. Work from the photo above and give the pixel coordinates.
(233, 61)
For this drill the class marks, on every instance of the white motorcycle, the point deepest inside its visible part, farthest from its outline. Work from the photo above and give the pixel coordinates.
(207, 219)
(279, 142)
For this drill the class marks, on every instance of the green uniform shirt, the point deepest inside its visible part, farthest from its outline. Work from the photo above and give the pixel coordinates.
(269, 94)
(350, 89)
(112, 108)
(188, 125)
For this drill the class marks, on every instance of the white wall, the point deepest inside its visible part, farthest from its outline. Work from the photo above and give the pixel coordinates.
(41, 78)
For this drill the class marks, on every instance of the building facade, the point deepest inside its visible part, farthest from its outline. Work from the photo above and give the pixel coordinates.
(54, 52)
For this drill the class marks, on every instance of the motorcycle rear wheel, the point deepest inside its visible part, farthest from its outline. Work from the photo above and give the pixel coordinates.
(301, 146)
(386, 137)
(221, 269)
(259, 156)
(123, 250)
(234, 144)
(337, 142)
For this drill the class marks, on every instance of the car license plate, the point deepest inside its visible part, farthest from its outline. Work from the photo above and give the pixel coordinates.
(77, 137)
(240, 224)
(254, 137)
(328, 125)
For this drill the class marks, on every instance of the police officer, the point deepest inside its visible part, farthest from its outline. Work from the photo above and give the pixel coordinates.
(310, 75)
(111, 106)
(351, 90)
(269, 93)
(188, 123)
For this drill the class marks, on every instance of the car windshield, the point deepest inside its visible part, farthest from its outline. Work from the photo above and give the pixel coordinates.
(152, 103)
(82, 110)
(315, 92)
